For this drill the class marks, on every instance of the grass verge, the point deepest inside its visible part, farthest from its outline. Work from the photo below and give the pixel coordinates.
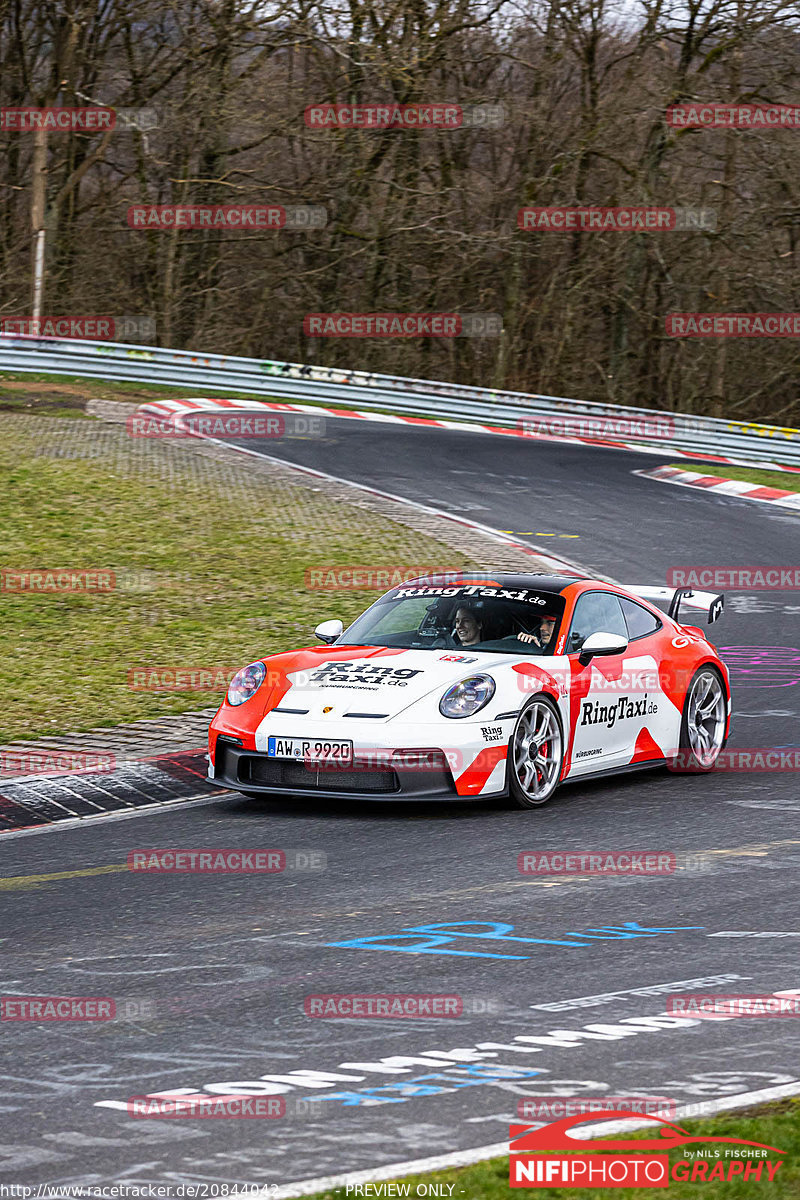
(775, 1124)
(787, 481)
(209, 560)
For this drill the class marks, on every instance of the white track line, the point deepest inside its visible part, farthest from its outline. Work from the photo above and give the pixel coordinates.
(464, 1158)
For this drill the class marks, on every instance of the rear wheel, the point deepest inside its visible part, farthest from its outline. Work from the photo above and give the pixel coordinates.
(535, 754)
(705, 713)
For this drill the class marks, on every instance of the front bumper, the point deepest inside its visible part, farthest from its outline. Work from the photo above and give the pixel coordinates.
(253, 772)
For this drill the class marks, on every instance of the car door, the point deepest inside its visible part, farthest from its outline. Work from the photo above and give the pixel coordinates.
(606, 694)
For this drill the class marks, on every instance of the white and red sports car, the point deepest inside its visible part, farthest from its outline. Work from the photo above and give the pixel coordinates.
(488, 687)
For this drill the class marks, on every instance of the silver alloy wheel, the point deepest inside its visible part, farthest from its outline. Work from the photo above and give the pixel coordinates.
(705, 724)
(537, 752)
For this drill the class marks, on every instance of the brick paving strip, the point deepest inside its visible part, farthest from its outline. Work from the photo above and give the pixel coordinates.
(162, 759)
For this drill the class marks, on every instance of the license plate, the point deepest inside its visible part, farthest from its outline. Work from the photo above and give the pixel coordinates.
(321, 750)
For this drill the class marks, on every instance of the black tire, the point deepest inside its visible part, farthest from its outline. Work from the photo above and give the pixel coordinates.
(527, 797)
(689, 759)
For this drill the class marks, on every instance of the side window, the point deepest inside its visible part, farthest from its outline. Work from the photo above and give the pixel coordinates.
(595, 612)
(640, 622)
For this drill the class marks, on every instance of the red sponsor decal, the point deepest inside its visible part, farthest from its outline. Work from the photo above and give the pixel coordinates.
(57, 1008)
(214, 862)
(596, 862)
(746, 325)
(386, 1006)
(383, 116)
(57, 580)
(57, 119)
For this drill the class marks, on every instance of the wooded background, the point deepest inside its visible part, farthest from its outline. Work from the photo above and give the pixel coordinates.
(422, 221)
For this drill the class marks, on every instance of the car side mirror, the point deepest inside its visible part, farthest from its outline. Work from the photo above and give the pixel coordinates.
(329, 631)
(598, 645)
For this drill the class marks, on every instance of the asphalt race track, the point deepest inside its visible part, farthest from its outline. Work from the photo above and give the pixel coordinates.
(210, 974)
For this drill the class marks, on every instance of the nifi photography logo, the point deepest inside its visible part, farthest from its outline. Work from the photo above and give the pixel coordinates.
(549, 1156)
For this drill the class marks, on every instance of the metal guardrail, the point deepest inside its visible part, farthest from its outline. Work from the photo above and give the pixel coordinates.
(589, 420)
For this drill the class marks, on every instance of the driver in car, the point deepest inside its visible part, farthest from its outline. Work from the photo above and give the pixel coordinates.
(468, 626)
(540, 639)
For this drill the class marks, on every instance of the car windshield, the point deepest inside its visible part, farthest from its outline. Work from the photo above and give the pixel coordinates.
(505, 620)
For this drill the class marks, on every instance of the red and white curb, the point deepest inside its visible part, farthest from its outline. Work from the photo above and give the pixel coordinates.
(175, 408)
(777, 497)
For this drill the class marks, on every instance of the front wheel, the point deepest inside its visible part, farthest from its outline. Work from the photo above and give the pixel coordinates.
(703, 721)
(535, 754)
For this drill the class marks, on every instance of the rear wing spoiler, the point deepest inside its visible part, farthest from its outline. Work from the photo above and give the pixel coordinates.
(682, 602)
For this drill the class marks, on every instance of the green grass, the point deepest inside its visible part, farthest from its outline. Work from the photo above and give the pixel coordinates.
(774, 1125)
(210, 560)
(787, 481)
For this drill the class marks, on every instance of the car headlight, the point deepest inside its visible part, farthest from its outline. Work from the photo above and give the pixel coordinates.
(246, 683)
(467, 697)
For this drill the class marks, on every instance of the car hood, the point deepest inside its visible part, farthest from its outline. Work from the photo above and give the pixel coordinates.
(376, 682)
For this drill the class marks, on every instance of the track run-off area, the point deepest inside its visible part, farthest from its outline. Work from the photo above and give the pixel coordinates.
(564, 981)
